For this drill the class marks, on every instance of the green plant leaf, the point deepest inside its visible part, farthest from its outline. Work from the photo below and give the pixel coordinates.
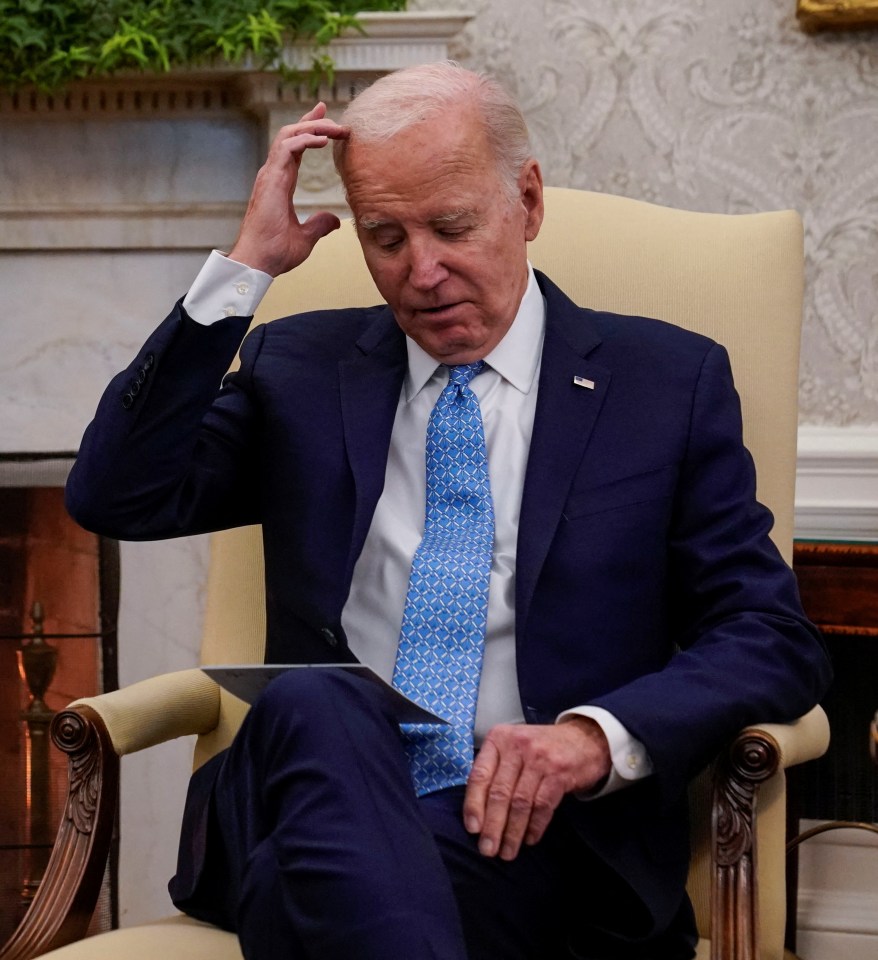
(48, 43)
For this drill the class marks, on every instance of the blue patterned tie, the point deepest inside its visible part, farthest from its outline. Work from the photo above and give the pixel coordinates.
(439, 660)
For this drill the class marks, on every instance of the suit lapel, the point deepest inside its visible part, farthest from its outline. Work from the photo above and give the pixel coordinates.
(370, 384)
(565, 416)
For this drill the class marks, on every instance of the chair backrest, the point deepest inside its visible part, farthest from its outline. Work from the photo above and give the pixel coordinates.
(738, 279)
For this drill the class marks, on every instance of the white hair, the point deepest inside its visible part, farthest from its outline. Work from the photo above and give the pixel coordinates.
(414, 94)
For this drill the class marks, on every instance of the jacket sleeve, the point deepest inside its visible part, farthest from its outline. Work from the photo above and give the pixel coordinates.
(169, 453)
(747, 652)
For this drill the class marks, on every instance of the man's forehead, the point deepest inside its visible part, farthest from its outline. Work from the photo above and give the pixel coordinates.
(447, 192)
(426, 152)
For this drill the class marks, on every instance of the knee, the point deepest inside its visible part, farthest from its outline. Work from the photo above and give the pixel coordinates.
(317, 713)
(295, 693)
(317, 695)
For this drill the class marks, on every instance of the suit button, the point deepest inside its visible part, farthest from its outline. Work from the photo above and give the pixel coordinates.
(329, 636)
(148, 361)
(141, 375)
(127, 400)
(134, 389)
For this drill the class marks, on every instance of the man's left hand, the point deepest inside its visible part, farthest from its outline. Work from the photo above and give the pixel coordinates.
(522, 773)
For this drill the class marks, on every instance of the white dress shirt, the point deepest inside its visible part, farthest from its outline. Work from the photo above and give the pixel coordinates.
(507, 392)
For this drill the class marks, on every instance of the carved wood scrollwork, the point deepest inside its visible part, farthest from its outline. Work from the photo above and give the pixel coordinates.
(62, 908)
(72, 734)
(751, 760)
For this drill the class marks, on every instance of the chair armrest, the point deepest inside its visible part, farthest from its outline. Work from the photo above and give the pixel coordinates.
(804, 739)
(156, 710)
(94, 733)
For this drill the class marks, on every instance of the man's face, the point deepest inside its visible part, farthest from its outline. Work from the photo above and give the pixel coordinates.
(442, 240)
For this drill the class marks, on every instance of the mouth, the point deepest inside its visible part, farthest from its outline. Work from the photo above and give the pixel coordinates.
(445, 309)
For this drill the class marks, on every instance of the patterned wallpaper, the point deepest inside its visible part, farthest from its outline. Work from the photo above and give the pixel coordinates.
(719, 105)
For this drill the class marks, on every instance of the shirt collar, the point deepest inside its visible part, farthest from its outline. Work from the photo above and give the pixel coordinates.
(516, 357)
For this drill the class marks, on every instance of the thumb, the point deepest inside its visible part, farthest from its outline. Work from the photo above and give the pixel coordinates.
(318, 225)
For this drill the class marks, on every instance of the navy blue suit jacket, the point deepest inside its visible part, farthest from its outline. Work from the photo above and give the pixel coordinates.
(646, 582)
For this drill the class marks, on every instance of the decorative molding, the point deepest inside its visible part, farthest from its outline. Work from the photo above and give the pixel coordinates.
(837, 483)
(128, 96)
(839, 911)
(120, 226)
(35, 470)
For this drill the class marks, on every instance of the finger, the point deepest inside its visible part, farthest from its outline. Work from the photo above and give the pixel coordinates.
(324, 128)
(318, 225)
(293, 146)
(286, 155)
(478, 782)
(519, 812)
(499, 798)
(546, 801)
(317, 112)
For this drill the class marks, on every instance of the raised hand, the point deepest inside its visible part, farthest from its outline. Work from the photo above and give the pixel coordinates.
(522, 773)
(271, 238)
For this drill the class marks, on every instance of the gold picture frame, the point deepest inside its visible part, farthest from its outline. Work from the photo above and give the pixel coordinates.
(837, 14)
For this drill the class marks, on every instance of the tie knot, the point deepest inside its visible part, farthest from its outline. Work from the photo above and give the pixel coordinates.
(461, 375)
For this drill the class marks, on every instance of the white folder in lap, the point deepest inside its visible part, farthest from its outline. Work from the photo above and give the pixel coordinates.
(248, 680)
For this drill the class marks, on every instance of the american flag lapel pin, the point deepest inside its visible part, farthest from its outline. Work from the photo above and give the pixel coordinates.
(584, 382)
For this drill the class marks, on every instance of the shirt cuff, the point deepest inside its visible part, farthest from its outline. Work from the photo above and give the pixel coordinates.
(225, 288)
(630, 760)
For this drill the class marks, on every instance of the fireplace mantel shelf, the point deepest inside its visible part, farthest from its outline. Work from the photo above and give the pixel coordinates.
(391, 40)
(103, 189)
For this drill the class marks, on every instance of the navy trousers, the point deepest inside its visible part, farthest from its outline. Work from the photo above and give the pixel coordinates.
(320, 849)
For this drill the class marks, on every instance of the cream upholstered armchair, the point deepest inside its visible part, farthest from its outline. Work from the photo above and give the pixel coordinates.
(735, 278)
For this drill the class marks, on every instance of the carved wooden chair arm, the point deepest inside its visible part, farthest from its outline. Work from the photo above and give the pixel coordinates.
(62, 908)
(804, 739)
(755, 755)
(94, 733)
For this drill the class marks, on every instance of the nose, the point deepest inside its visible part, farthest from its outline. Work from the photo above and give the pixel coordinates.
(426, 269)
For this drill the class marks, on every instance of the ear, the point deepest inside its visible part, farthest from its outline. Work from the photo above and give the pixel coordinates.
(532, 198)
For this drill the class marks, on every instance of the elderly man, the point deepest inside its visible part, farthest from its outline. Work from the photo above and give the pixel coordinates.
(536, 520)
